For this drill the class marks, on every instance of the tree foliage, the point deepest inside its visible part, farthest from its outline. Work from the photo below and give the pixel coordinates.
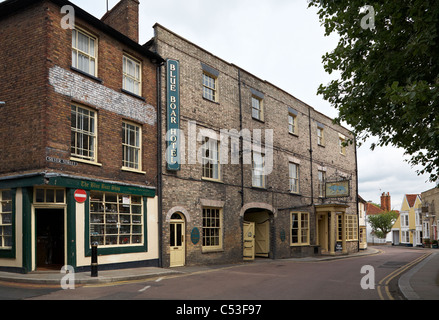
(389, 83)
(382, 223)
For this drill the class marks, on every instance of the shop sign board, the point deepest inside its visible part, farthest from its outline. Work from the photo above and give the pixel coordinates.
(339, 189)
(173, 114)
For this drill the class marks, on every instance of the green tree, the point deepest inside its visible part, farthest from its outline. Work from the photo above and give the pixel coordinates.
(382, 223)
(388, 60)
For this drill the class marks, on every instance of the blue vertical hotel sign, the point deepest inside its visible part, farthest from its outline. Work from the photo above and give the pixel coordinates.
(173, 110)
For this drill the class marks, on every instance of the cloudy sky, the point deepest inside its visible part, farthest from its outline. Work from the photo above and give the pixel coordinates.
(282, 42)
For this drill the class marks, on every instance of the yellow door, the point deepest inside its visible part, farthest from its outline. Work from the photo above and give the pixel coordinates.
(177, 244)
(262, 239)
(249, 241)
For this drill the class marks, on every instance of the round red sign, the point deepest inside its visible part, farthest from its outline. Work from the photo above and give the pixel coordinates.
(80, 196)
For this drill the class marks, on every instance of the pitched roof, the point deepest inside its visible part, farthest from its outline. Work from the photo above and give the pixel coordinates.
(372, 209)
(411, 199)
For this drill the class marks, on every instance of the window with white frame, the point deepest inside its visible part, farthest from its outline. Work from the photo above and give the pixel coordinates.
(257, 108)
(131, 143)
(299, 228)
(209, 87)
(292, 123)
(83, 133)
(258, 177)
(116, 219)
(320, 136)
(405, 236)
(5, 219)
(132, 75)
(210, 159)
(84, 52)
(294, 175)
(212, 229)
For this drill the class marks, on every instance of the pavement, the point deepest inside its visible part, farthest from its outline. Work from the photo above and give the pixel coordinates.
(420, 283)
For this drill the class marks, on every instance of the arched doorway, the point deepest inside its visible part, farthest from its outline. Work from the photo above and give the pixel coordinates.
(177, 247)
(257, 234)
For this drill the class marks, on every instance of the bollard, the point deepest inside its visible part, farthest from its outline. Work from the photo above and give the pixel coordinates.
(94, 260)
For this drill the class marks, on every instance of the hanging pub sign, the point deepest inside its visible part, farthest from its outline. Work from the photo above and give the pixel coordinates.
(338, 189)
(173, 113)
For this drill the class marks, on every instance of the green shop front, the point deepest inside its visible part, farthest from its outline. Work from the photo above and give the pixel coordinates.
(50, 220)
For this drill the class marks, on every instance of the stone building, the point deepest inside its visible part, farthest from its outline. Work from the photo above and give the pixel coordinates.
(78, 161)
(247, 169)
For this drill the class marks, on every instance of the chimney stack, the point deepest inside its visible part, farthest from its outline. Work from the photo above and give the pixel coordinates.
(385, 202)
(124, 17)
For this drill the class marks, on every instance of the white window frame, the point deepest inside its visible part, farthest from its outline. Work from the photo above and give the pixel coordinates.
(320, 136)
(82, 132)
(258, 164)
(257, 108)
(211, 159)
(130, 79)
(210, 87)
(131, 150)
(292, 124)
(90, 56)
(294, 177)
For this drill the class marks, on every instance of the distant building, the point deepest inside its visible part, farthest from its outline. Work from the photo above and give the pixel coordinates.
(430, 214)
(407, 230)
(373, 209)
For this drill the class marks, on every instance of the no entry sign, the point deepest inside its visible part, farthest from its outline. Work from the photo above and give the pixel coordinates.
(80, 196)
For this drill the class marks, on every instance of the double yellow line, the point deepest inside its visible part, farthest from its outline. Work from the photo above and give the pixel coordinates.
(383, 285)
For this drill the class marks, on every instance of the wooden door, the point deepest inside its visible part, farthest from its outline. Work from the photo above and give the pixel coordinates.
(249, 241)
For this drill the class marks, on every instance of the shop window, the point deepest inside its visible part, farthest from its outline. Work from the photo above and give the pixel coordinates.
(116, 219)
(49, 196)
(299, 228)
(5, 219)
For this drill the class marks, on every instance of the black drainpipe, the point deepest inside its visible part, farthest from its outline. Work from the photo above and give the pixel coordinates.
(241, 144)
(310, 156)
(159, 161)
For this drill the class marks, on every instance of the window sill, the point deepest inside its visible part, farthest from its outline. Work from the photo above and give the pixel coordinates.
(133, 170)
(86, 161)
(293, 134)
(86, 74)
(213, 250)
(213, 101)
(132, 94)
(258, 120)
(212, 180)
(259, 188)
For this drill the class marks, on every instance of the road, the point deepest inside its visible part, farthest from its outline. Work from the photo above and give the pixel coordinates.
(262, 280)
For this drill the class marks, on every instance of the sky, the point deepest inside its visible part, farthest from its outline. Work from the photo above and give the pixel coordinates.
(282, 42)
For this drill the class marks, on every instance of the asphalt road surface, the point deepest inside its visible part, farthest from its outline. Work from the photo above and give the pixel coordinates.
(360, 278)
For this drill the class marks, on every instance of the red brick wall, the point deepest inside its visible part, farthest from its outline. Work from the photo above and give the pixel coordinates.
(38, 124)
(22, 79)
(124, 17)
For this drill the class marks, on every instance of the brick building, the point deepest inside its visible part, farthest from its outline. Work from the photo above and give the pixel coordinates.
(80, 113)
(247, 169)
